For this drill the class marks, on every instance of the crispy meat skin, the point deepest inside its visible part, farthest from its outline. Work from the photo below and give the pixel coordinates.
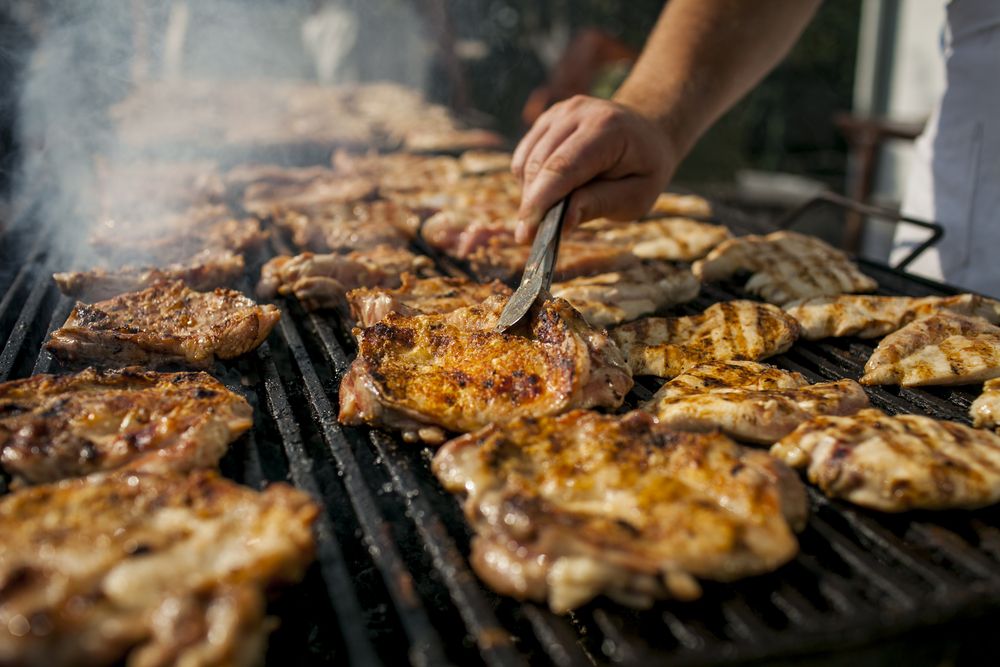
(868, 316)
(740, 330)
(566, 508)
(749, 401)
(785, 266)
(53, 427)
(424, 373)
(664, 238)
(349, 227)
(941, 349)
(985, 410)
(146, 569)
(417, 296)
(898, 463)
(165, 323)
(206, 270)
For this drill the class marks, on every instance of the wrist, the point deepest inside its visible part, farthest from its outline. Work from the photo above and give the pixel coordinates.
(672, 131)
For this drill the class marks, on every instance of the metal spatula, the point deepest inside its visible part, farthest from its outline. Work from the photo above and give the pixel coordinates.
(537, 277)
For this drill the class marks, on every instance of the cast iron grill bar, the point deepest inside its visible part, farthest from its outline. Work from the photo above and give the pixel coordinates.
(16, 339)
(59, 315)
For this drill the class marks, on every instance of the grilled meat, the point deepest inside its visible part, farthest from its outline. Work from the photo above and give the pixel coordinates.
(566, 508)
(671, 203)
(350, 226)
(400, 171)
(206, 270)
(312, 190)
(731, 330)
(497, 260)
(423, 374)
(750, 401)
(491, 191)
(867, 316)
(145, 569)
(417, 296)
(943, 348)
(985, 410)
(664, 238)
(620, 296)
(53, 427)
(167, 322)
(323, 281)
(898, 463)
(785, 266)
(484, 161)
(460, 232)
(451, 140)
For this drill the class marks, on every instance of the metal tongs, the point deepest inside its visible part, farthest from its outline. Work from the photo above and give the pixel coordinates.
(537, 276)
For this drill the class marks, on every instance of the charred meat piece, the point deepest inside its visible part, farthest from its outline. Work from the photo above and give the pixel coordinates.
(985, 410)
(897, 463)
(567, 508)
(416, 296)
(749, 401)
(612, 298)
(731, 330)
(167, 322)
(351, 227)
(673, 204)
(426, 374)
(868, 316)
(323, 281)
(500, 261)
(940, 349)
(206, 270)
(146, 569)
(664, 238)
(53, 427)
(785, 266)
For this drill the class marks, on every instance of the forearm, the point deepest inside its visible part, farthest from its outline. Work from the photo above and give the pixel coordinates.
(704, 55)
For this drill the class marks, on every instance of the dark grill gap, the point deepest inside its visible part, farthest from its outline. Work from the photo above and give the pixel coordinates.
(392, 583)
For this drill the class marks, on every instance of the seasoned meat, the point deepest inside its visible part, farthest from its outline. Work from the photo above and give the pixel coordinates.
(206, 270)
(985, 410)
(323, 281)
(167, 322)
(319, 189)
(350, 226)
(943, 348)
(740, 330)
(484, 161)
(242, 176)
(145, 569)
(670, 203)
(867, 316)
(53, 427)
(419, 296)
(570, 507)
(620, 296)
(785, 266)
(459, 232)
(750, 401)
(497, 260)
(663, 238)
(898, 463)
(400, 171)
(425, 374)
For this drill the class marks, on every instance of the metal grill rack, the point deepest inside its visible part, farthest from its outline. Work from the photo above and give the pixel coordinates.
(392, 582)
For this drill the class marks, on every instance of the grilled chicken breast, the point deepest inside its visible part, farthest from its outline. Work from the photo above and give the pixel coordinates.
(785, 266)
(943, 348)
(496, 260)
(570, 507)
(671, 203)
(349, 227)
(460, 232)
(740, 330)
(53, 427)
(985, 410)
(426, 374)
(417, 296)
(749, 401)
(323, 281)
(662, 238)
(143, 569)
(206, 270)
(868, 316)
(619, 296)
(164, 323)
(899, 463)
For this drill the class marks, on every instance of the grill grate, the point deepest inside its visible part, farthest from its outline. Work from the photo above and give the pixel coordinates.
(392, 583)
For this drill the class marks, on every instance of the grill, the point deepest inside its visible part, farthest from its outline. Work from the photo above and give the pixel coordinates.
(392, 583)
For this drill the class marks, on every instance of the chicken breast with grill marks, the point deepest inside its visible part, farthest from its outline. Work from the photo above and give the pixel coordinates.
(740, 330)
(985, 410)
(671, 203)
(165, 323)
(570, 507)
(899, 463)
(417, 296)
(941, 349)
(142, 569)
(53, 427)
(662, 238)
(785, 266)
(750, 401)
(427, 374)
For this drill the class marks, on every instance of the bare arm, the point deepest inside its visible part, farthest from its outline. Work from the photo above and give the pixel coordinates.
(702, 56)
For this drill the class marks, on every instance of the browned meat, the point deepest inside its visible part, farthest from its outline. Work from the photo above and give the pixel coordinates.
(400, 171)
(451, 140)
(53, 427)
(165, 323)
(459, 232)
(670, 203)
(206, 270)
(143, 569)
(484, 161)
(566, 508)
(985, 410)
(426, 374)
(351, 226)
(662, 238)
(311, 190)
(417, 296)
(498, 260)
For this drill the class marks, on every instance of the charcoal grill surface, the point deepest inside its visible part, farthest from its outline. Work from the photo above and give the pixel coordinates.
(392, 582)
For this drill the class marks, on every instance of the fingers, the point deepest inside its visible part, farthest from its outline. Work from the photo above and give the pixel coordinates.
(527, 143)
(545, 146)
(621, 199)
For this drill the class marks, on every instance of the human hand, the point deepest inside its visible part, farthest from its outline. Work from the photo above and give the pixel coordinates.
(616, 160)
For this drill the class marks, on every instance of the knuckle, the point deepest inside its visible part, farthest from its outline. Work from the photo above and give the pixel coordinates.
(560, 164)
